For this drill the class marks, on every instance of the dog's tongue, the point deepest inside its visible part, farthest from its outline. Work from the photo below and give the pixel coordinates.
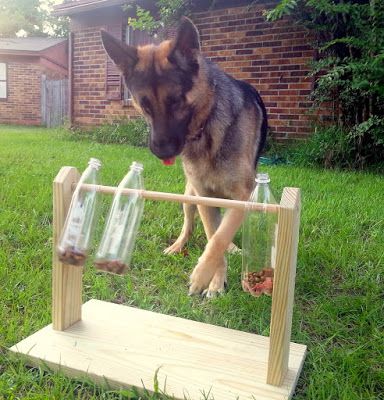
(169, 161)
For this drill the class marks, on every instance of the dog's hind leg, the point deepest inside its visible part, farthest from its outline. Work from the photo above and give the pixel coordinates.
(186, 231)
(211, 218)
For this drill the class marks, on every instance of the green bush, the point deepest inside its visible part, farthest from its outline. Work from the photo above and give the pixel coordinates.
(348, 36)
(134, 132)
(327, 147)
(334, 147)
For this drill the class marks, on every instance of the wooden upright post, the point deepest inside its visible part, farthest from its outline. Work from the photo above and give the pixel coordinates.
(67, 280)
(284, 285)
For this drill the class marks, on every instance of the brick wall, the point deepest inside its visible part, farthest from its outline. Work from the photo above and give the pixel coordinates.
(273, 57)
(23, 103)
(90, 101)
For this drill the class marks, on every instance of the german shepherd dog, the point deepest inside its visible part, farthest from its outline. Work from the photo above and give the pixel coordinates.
(217, 124)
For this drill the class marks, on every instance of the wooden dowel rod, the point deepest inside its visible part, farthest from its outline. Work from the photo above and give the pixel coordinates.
(182, 198)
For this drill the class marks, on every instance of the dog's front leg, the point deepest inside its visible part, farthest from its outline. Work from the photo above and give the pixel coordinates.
(210, 273)
(211, 218)
(186, 231)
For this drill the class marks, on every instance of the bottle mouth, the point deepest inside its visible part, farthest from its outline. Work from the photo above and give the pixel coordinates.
(137, 166)
(95, 163)
(262, 177)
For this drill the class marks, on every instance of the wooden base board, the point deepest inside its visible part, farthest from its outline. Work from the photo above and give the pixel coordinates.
(124, 347)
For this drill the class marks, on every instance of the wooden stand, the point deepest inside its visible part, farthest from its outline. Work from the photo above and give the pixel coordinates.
(128, 347)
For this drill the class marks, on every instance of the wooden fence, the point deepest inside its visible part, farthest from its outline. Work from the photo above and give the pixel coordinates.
(54, 102)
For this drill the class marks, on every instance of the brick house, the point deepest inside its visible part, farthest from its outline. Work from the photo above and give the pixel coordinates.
(24, 64)
(273, 57)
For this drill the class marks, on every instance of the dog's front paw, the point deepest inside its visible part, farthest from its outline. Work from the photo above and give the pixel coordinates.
(233, 249)
(174, 248)
(218, 282)
(204, 273)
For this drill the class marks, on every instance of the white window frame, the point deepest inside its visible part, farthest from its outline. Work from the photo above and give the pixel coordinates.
(127, 97)
(5, 80)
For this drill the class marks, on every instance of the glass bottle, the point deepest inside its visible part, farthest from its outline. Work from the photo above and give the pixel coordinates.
(116, 247)
(79, 225)
(259, 242)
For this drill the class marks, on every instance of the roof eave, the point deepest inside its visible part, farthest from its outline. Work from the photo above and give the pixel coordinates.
(37, 53)
(6, 52)
(68, 9)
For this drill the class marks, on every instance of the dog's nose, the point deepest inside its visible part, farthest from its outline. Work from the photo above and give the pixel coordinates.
(164, 149)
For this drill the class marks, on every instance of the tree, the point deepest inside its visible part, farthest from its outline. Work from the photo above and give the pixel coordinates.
(165, 12)
(30, 16)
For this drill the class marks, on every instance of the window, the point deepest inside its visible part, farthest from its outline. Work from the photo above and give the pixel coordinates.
(3, 80)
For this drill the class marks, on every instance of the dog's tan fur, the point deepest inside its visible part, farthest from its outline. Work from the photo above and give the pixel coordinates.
(219, 149)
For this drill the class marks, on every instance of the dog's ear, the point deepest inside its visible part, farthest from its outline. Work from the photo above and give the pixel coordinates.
(186, 45)
(125, 57)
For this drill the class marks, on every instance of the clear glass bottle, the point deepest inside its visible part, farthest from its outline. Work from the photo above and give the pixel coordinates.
(259, 242)
(79, 225)
(116, 247)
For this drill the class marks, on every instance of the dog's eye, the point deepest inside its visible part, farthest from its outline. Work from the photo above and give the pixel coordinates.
(146, 105)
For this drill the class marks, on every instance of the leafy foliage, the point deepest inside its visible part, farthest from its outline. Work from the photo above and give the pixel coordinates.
(327, 146)
(349, 38)
(19, 14)
(32, 17)
(144, 21)
(285, 7)
(167, 12)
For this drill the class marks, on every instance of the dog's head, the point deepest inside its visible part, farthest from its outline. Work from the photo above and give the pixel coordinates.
(161, 80)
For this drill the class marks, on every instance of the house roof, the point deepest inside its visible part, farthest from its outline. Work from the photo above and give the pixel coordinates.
(69, 7)
(29, 44)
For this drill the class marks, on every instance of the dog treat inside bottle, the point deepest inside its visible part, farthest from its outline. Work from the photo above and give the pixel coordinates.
(78, 227)
(259, 242)
(117, 243)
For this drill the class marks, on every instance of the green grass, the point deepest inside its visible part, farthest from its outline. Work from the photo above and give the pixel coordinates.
(339, 289)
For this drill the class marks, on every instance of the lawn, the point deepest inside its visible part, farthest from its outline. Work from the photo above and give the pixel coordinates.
(339, 312)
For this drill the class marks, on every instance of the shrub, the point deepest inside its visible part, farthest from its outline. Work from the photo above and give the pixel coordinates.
(327, 147)
(349, 40)
(134, 132)
(334, 147)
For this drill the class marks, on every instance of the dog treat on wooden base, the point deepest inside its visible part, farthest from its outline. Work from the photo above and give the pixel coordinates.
(112, 266)
(257, 283)
(73, 256)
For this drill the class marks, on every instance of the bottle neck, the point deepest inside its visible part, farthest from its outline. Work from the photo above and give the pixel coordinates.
(137, 167)
(94, 163)
(262, 177)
